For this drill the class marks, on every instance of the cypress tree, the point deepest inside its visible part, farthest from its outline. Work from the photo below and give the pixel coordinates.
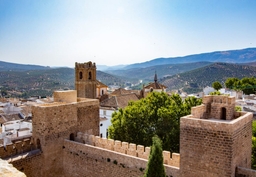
(155, 166)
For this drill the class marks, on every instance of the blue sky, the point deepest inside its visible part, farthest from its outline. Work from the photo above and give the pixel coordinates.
(113, 32)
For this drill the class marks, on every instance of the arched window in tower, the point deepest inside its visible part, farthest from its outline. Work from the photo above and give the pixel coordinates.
(90, 75)
(80, 75)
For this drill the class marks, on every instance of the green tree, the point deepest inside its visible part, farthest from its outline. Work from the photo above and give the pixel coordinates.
(157, 114)
(246, 84)
(216, 85)
(215, 93)
(155, 167)
(231, 82)
(238, 108)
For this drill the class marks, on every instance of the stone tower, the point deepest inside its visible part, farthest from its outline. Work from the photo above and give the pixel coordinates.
(54, 122)
(85, 79)
(214, 139)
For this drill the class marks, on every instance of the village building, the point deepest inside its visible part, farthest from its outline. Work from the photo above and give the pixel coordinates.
(86, 84)
(117, 99)
(153, 86)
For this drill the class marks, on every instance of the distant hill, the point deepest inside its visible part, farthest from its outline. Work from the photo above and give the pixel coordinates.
(6, 66)
(105, 67)
(230, 56)
(43, 82)
(161, 70)
(196, 80)
(190, 73)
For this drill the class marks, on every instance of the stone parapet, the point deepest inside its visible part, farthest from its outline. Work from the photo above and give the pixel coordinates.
(214, 147)
(242, 172)
(15, 148)
(67, 96)
(172, 159)
(103, 162)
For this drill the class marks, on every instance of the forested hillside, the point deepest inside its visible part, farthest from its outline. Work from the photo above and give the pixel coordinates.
(44, 82)
(197, 79)
(6, 66)
(148, 73)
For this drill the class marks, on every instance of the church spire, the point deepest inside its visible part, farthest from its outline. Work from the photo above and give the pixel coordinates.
(155, 79)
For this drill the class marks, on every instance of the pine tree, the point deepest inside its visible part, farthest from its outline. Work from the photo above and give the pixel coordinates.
(155, 167)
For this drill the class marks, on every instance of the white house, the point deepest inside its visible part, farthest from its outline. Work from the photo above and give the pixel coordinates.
(207, 90)
(105, 120)
(15, 129)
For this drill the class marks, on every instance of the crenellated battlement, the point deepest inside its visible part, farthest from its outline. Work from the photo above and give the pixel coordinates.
(222, 99)
(171, 159)
(217, 107)
(85, 65)
(17, 147)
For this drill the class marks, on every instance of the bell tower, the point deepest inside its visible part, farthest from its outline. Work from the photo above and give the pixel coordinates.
(85, 79)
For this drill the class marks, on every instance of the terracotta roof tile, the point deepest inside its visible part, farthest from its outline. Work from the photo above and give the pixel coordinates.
(100, 84)
(155, 85)
(120, 101)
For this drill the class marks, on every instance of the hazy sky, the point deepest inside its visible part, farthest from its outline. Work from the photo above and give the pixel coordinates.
(112, 32)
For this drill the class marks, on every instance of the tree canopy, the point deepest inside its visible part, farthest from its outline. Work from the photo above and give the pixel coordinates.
(216, 85)
(155, 166)
(157, 114)
(246, 84)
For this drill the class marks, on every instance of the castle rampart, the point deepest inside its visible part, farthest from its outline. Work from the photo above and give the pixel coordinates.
(67, 96)
(17, 147)
(52, 123)
(171, 159)
(217, 107)
(29, 163)
(213, 147)
(209, 146)
(97, 161)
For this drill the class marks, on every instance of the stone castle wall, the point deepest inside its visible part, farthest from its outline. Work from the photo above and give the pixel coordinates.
(87, 160)
(52, 123)
(30, 165)
(171, 159)
(208, 146)
(88, 116)
(68, 96)
(214, 147)
(18, 147)
(245, 172)
(215, 106)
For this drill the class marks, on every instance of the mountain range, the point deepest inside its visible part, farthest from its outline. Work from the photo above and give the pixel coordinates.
(230, 56)
(189, 73)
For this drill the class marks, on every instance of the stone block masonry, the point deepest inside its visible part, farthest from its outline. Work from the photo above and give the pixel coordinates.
(212, 147)
(214, 141)
(17, 147)
(52, 123)
(87, 160)
(171, 159)
(68, 96)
